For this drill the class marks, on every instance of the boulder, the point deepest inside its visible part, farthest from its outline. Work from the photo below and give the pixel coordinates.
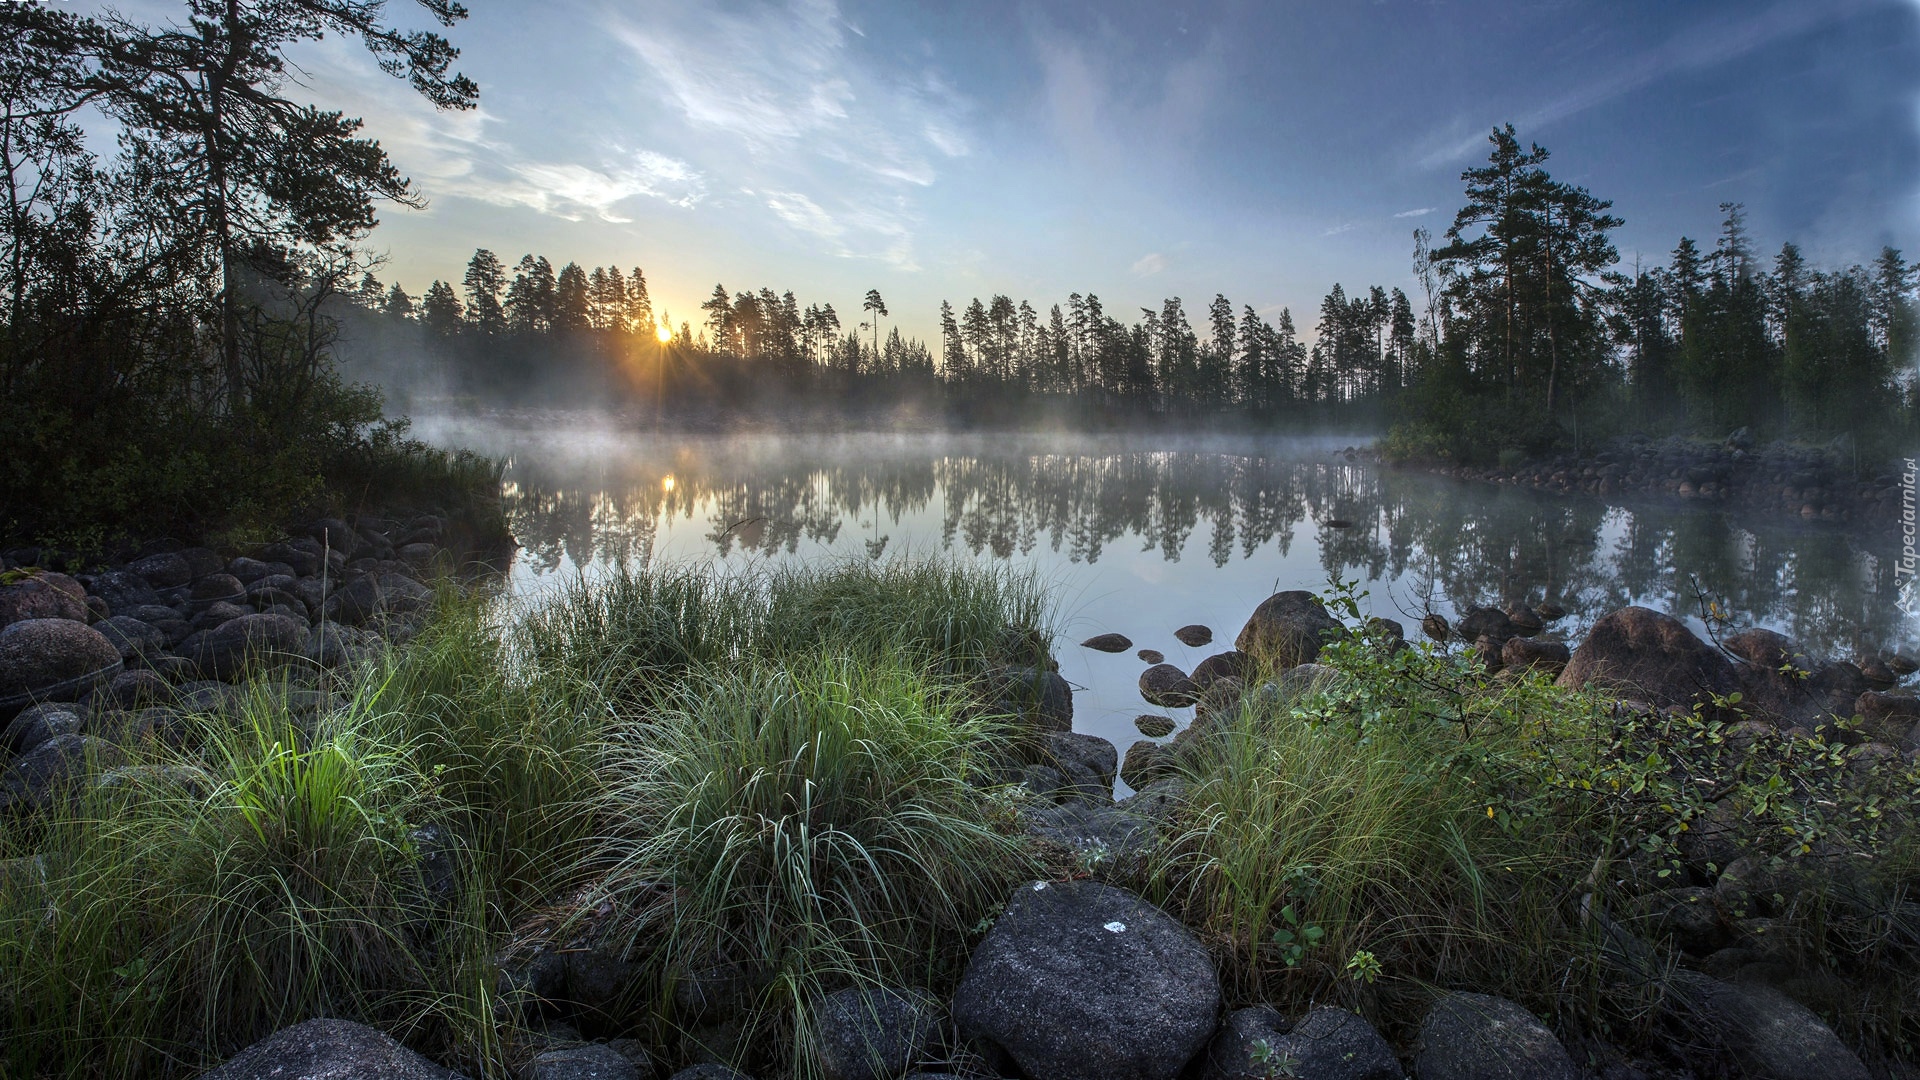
(135, 689)
(1089, 762)
(1040, 697)
(595, 1061)
(1194, 635)
(214, 589)
(374, 595)
(1158, 801)
(1772, 1036)
(48, 771)
(52, 660)
(164, 571)
(1151, 656)
(1113, 643)
(1651, 656)
(1435, 626)
(122, 591)
(1153, 725)
(1526, 622)
(1481, 1037)
(709, 1071)
(874, 1033)
(1167, 686)
(1082, 981)
(1889, 716)
(1528, 653)
(1287, 629)
(1486, 622)
(1145, 763)
(302, 555)
(132, 638)
(42, 595)
(1327, 1044)
(239, 646)
(1231, 664)
(37, 724)
(202, 561)
(1093, 832)
(328, 1050)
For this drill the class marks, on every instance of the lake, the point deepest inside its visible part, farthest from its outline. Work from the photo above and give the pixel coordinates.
(1141, 536)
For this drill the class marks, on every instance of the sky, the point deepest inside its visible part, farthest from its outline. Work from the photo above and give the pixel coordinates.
(1264, 150)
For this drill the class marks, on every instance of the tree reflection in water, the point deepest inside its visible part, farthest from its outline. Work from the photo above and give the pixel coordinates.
(1423, 538)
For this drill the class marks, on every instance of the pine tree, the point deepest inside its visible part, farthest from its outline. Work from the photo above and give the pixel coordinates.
(485, 280)
(440, 309)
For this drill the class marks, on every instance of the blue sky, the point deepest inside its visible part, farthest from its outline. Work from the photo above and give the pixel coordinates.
(1260, 149)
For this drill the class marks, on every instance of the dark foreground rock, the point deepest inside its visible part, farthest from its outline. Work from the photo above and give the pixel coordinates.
(52, 660)
(1328, 1044)
(874, 1033)
(1286, 630)
(1644, 654)
(328, 1050)
(1481, 1037)
(1081, 981)
(591, 1062)
(1167, 686)
(239, 646)
(1772, 1036)
(51, 770)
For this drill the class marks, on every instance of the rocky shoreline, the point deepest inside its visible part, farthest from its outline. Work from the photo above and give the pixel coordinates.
(1077, 979)
(1812, 484)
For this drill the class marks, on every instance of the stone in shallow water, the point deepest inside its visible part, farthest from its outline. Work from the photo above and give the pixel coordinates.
(1151, 656)
(1195, 635)
(1167, 686)
(1111, 643)
(1154, 726)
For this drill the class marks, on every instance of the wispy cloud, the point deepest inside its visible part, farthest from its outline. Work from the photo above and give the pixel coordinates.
(778, 98)
(1422, 212)
(1338, 229)
(1702, 46)
(1149, 264)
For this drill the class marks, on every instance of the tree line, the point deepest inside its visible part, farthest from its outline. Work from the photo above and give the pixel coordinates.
(1528, 336)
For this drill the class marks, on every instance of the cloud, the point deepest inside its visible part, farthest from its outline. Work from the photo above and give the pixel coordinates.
(1702, 46)
(464, 154)
(1149, 264)
(778, 97)
(1422, 212)
(1338, 229)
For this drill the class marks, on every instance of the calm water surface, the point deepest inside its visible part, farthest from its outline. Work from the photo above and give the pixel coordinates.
(1141, 537)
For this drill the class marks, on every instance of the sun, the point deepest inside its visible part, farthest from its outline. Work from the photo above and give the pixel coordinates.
(664, 333)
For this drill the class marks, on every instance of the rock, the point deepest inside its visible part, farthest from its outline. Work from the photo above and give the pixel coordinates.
(1153, 725)
(1167, 686)
(374, 595)
(135, 689)
(1158, 801)
(1036, 695)
(1222, 695)
(1526, 622)
(303, 556)
(1888, 716)
(42, 595)
(1151, 656)
(328, 1050)
(1480, 1037)
(874, 1033)
(1434, 625)
(237, 647)
(214, 589)
(1327, 1044)
(1110, 643)
(1145, 763)
(1878, 673)
(1194, 635)
(41, 775)
(1903, 664)
(1306, 679)
(122, 591)
(52, 660)
(1550, 611)
(220, 613)
(594, 1061)
(1087, 761)
(131, 638)
(1231, 664)
(1639, 651)
(1286, 630)
(37, 724)
(1548, 656)
(165, 571)
(1686, 916)
(1490, 653)
(248, 571)
(1772, 1036)
(1082, 980)
(1486, 622)
(1094, 832)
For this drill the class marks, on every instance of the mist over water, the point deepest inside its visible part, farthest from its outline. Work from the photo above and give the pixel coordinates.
(1143, 535)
